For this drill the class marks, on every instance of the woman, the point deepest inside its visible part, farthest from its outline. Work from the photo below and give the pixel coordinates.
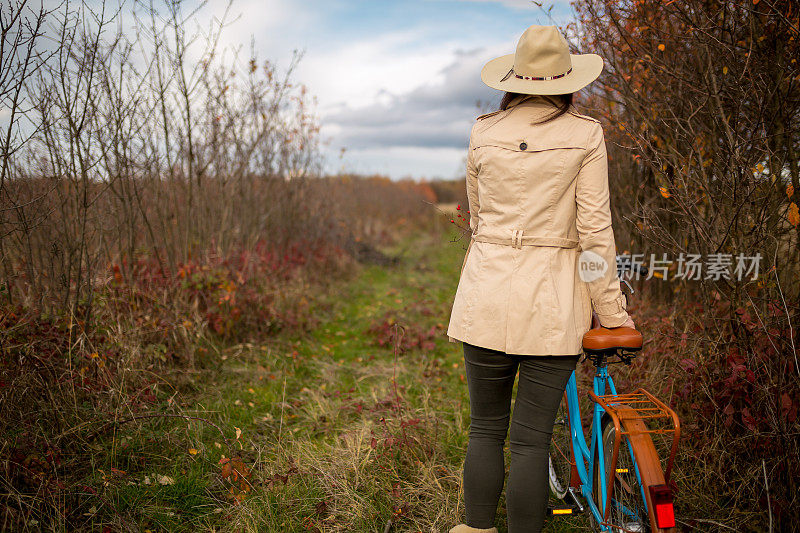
(541, 258)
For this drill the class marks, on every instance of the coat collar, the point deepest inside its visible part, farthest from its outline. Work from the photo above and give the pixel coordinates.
(533, 105)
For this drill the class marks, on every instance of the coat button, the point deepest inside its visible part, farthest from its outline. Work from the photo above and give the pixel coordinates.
(523, 145)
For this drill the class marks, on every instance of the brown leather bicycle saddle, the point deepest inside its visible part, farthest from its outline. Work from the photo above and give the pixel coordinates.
(605, 339)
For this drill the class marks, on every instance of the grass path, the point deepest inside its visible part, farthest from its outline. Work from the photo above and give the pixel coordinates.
(330, 431)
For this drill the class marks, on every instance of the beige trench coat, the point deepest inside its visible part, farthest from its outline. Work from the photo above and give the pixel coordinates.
(538, 197)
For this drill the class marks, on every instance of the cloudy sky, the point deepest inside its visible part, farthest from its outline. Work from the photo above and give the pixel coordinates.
(397, 82)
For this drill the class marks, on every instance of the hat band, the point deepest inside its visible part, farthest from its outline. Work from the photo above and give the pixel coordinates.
(535, 78)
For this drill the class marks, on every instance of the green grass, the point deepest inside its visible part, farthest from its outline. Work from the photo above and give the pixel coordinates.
(306, 410)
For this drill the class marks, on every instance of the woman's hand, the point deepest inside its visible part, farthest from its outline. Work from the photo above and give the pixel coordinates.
(628, 324)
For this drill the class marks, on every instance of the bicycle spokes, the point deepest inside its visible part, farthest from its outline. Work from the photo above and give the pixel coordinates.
(620, 477)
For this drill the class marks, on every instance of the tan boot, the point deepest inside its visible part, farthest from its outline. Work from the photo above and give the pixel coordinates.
(461, 528)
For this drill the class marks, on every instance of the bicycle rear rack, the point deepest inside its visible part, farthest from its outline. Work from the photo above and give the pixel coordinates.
(631, 414)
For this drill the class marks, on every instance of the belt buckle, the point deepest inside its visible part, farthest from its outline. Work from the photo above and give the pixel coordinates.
(516, 239)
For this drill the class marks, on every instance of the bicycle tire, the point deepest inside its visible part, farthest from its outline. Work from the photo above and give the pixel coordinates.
(561, 454)
(629, 508)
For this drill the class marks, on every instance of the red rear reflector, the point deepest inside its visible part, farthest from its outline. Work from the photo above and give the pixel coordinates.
(661, 496)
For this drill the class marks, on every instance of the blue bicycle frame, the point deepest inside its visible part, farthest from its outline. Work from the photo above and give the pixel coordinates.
(602, 385)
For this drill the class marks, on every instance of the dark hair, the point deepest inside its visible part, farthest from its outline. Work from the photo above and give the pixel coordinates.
(566, 101)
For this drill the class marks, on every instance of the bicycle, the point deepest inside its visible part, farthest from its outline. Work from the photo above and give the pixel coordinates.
(628, 490)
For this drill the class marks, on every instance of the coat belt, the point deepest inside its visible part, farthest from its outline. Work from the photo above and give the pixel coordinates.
(518, 240)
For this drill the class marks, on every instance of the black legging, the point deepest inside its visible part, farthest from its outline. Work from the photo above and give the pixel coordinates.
(490, 379)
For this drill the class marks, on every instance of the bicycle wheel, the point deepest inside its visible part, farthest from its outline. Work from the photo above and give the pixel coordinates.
(561, 452)
(628, 505)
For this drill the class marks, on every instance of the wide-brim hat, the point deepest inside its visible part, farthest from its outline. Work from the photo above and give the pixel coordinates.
(542, 64)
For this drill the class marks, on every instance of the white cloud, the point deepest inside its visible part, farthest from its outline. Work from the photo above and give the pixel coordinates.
(401, 161)
(357, 74)
(435, 113)
(422, 132)
(276, 26)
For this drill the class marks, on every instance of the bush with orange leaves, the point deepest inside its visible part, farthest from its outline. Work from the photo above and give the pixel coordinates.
(701, 104)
